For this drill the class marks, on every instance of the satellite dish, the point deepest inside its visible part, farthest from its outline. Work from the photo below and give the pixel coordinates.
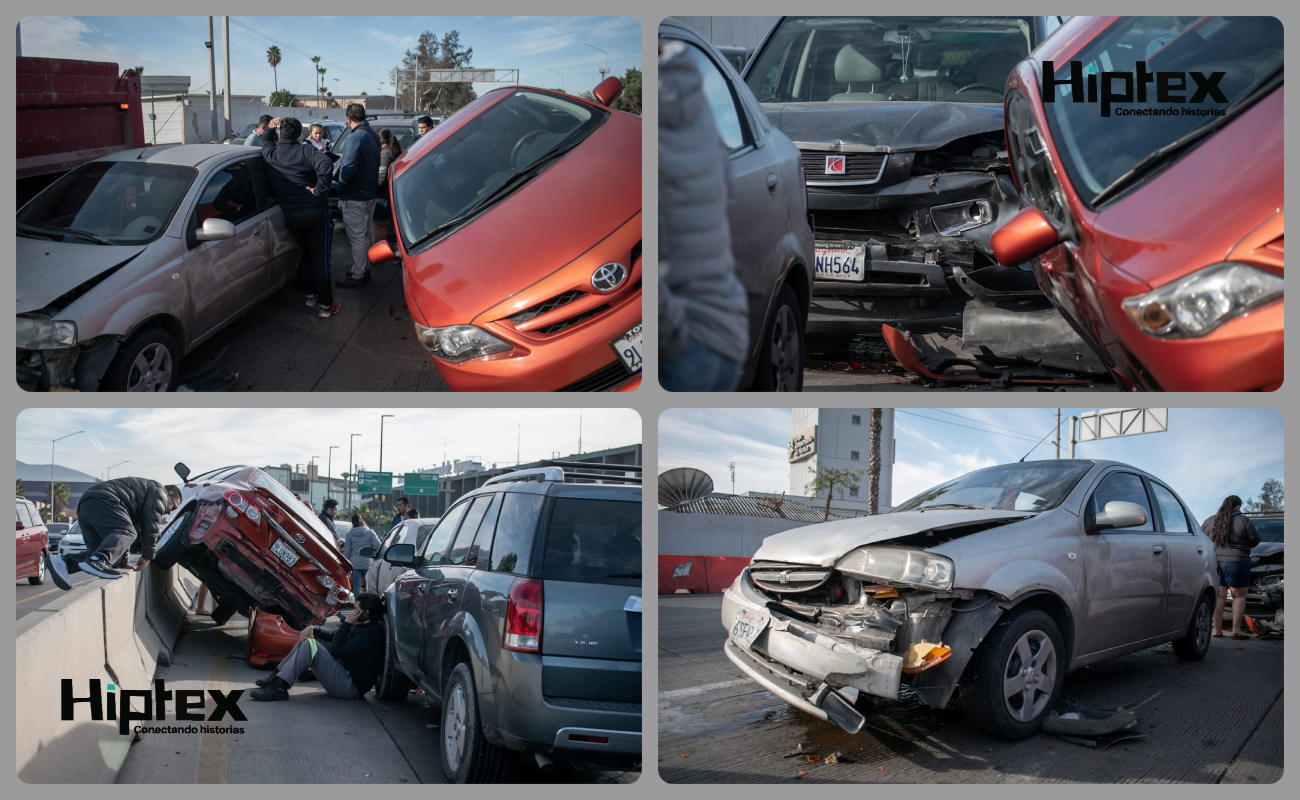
(683, 485)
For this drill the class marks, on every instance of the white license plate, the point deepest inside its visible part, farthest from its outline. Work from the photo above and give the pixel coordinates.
(840, 263)
(747, 625)
(284, 552)
(628, 347)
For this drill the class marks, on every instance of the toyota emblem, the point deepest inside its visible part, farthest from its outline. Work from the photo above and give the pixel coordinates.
(608, 277)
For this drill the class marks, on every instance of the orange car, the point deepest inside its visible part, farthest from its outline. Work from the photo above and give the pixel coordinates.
(519, 228)
(1154, 218)
(269, 639)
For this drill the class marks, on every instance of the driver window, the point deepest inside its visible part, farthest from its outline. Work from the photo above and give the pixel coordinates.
(1124, 486)
(1171, 511)
(437, 542)
(229, 195)
(265, 194)
(717, 93)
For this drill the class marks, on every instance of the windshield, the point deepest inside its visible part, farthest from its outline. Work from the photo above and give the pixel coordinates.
(301, 510)
(462, 171)
(108, 202)
(838, 59)
(594, 541)
(1268, 528)
(1032, 486)
(1098, 150)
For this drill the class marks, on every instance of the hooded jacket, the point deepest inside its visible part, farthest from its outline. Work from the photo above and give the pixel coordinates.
(145, 501)
(354, 540)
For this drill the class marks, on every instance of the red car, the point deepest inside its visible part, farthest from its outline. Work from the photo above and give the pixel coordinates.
(255, 546)
(519, 228)
(32, 542)
(1157, 230)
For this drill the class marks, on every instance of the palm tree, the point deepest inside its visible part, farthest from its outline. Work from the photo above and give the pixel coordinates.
(138, 70)
(20, 488)
(321, 70)
(61, 492)
(273, 58)
(316, 60)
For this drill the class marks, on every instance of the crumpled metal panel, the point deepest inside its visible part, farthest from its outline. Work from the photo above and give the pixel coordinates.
(892, 127)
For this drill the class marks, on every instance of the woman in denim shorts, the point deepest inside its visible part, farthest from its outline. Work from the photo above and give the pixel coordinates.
(1233, 535)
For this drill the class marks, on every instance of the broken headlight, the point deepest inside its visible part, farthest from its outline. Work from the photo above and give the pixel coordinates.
(899, 565)
(1202, 301)
(457, 343)
(38, 333)
(957, 217)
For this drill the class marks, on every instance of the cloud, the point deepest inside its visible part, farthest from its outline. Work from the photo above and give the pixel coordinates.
(393, 40)
(65, 37)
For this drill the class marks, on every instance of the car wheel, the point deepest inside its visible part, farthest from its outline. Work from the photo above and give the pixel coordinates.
(1018, 675)
(467, 757)
(150, 361)
(392, 683)
(780, 359)
(1196, 642)
(171, 548)
(39, 577)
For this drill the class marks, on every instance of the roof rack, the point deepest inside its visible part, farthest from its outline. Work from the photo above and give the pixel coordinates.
(562, 471)
(542, 474)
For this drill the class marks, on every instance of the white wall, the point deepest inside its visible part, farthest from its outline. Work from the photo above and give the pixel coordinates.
(837, 439)
(717, 534)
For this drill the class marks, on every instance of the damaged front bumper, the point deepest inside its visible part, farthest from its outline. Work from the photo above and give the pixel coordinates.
(80, 368)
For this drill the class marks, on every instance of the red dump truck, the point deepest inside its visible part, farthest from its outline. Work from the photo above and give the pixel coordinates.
(70, 112)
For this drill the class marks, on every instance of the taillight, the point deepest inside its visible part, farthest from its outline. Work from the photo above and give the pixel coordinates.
(524, 616)
(254, 514)
(236, 499)
(578, 737)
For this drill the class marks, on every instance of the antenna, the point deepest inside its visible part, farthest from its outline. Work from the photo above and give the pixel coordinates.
(580, 431)
(732, 467)
(683, 485)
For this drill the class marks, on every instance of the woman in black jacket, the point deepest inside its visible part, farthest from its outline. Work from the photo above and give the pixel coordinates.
(1233, 535)
(347, 669)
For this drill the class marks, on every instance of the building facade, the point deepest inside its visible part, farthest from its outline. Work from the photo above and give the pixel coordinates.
(839, 438)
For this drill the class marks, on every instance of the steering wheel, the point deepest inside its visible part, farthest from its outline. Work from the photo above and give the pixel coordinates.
(519, 145)
(979, 86)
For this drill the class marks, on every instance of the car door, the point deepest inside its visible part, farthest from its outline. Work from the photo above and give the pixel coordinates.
(411, 591)
(282, 247)
(449, 594)
(225, 276)
(1186, 553)
(756, 205)
(1126, 571)
(22, 539)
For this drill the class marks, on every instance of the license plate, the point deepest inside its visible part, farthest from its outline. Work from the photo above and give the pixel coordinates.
(628, 347)
(284, 552)
(746, 627)
(840, 263)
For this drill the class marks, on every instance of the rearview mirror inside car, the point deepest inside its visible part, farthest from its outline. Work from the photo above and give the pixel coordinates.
(1026, 235)
(401, 555)
(608, 90)
(215, 230)
(182, 470)
(1121, 514)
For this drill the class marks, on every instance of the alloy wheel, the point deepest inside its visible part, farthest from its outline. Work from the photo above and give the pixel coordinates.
(786, 357)
(152, 370)
(1029, 676)
(1202, 624)
(453, 727)
(40, 569)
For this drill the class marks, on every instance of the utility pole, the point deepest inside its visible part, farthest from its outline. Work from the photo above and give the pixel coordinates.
(519, 433)
(118, 464)
(329, 469)
(580, 431)
(212, 80)
(1058, 433)
(225, 46)
(561, 74)
(732, 467)
(382, 417)
(876, 416)
(51, 497)
(351, 471)
(1073, 424)
(604, 71)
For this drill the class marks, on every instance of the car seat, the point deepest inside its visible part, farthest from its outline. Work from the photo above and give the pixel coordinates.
(851, 67)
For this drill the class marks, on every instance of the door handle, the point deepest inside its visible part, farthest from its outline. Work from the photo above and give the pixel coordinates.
(1158, 549)
(1200, 548)
(771, 182)
(258, 230)
(453, 593)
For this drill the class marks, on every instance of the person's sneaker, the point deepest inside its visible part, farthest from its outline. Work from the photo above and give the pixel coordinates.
(262, 683)
(275, 690)
(100, 568)
(328, 311)
(311, 300)
(353, 283)
(58, 569)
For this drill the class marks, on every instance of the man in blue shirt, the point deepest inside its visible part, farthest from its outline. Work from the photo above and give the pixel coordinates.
(358, 188)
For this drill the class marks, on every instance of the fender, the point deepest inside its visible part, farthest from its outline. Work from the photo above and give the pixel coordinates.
(964, 634)
(465, 629)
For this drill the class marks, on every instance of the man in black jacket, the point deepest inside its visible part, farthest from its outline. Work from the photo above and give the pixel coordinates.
(112, 514)
(347, 669)
(300, 177)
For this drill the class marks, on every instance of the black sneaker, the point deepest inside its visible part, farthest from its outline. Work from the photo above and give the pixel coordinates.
(58, 569)
(275, 690)
(262, 683)
(353, 283)
(100, 568)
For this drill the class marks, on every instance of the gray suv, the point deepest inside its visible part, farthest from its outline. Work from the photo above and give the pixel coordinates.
(521, 616)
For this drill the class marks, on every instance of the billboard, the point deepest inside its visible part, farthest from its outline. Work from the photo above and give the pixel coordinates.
(420, 483)
(374, 482)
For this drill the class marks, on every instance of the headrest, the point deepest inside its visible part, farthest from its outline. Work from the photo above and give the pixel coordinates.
(995, 67)
(852, 67)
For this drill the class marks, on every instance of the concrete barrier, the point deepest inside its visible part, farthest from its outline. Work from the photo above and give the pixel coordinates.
(723, 571)
(683, 573)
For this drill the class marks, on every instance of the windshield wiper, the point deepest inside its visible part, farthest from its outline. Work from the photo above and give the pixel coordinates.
(94, 237)
(23, 227)
(625, 575)
(955, 505)
(1169, 152)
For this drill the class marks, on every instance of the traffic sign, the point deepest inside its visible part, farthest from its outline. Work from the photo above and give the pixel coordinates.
(374, 482)
(421, 483)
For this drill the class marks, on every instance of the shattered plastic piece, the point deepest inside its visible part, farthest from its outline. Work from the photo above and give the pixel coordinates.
(881, 592)
(1071, 718)
(833, 758)
(923, 655)
(803, 772)
(813, 759)
(686, 755)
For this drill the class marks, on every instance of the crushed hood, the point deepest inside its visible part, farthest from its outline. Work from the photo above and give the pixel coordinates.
(825, 544)
(48, 270)
(898, 126)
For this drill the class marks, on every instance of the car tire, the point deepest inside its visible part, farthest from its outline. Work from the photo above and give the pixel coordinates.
(393, 683)
(780, 359)
(223, 612)
(172, 548)
(467, 757)
(39, 577)
(1196, 642)
(985, 699)
(152, 347)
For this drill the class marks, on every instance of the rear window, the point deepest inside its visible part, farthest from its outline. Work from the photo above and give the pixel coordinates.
(1268, 528)
(594, 541)
(512, 548)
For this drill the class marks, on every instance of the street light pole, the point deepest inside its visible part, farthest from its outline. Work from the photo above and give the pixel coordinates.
(212, 81)
(604, 71)
(118, 464)
(351, 471)
(225, 46)
(51, 498)
(382, 417)
(561, 74)
(329, 469)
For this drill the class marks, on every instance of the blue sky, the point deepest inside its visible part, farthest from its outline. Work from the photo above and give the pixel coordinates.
(370, 46)
(155, 439)
(1205, 455)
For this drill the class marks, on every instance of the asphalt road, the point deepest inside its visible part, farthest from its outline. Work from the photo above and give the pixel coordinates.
(369, 346)
(1214, 721)
(31, 597)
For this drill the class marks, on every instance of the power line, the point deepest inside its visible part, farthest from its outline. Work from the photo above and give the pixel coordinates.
(972, 419)
(306, 54)
(959, 425)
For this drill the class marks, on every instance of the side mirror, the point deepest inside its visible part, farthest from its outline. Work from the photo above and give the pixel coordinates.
(380, 252)
(1027, 234)
(182, 471)
(215, 230)
(19, 524)
(1120, 514)
(367, 552)
(608, 90)
(401, 555)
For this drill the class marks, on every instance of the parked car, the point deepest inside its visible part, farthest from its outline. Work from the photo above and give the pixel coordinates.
(405, 131)
(1022, 573)
(408, 531)
(521, 616)
(550, 185)
(254, 545)
(899, 126)
(132, 260)
(72, 541)
(32, 542)
(1158, 238)
(771, 230)
(56, 531)
(1267, 564)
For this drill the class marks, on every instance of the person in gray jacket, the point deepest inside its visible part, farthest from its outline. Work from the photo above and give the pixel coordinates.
(703, 310)
(113, 514)
(353, 542)
(1233, 535)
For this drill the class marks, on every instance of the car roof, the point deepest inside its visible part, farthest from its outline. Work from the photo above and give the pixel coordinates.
(185, 155)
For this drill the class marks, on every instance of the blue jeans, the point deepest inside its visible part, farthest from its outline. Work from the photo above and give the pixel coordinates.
(699, 369)
(359, 580)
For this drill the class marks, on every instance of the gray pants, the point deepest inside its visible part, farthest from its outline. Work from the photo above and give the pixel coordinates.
(106, 528)
(334, 679)
(357, 216)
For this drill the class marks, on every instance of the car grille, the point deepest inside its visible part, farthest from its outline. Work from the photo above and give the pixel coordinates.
(547, 306)
(788, 577)
(571, 321)
(858, 167)
(605, 379)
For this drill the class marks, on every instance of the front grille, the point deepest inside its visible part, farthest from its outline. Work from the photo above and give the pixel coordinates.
(858, 167)
(547, 306)
(636, 253)
(571, 321)
(605, 379)
(788, 577)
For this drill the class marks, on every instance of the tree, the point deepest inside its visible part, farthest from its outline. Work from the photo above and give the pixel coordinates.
(316, 60)
(828, 479)
(416, 91)
(138, 70)
(61, 492)
(630, 99)
(20, 488)
(320, 92)
(363, 94)
(273, 58)
(367, 513)
(873, 465)
(1271, 498)
(282, 97)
